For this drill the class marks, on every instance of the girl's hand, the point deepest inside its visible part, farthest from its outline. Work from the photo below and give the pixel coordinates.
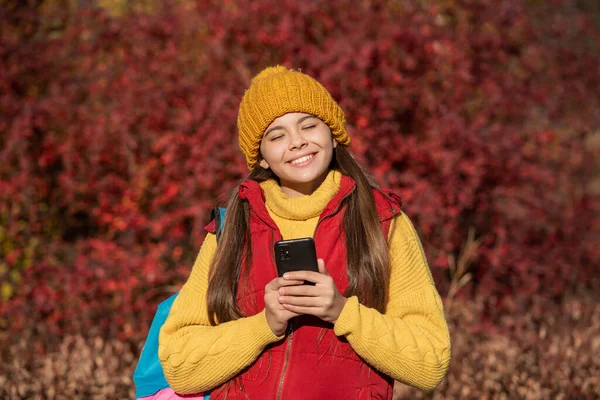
(277, 316)
(323, 300)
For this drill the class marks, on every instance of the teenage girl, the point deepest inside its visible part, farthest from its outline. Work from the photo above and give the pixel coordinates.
(373, 316)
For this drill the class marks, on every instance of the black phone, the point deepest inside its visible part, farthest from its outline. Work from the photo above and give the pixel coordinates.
(296, 255)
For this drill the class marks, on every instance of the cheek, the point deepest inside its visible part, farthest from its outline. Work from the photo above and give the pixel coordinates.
(329, 143)
(325, 138)
(271, 150)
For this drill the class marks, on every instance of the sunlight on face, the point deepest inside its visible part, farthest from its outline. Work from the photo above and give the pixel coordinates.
(298, 148)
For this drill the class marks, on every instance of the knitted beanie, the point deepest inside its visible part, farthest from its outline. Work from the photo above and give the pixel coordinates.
(277, 91)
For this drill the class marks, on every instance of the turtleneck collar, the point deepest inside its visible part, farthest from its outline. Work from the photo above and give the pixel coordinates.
(304, 207)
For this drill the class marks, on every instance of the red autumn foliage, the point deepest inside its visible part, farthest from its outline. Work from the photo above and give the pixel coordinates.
(117, 135)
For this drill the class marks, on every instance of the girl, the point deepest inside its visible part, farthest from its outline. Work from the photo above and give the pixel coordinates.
(373, 315)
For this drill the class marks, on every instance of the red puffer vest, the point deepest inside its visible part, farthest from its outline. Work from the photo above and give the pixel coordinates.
(311, 362)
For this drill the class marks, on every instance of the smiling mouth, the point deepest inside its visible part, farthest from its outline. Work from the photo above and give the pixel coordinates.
(302, 159)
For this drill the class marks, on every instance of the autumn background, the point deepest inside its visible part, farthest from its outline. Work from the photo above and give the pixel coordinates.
(118, 135)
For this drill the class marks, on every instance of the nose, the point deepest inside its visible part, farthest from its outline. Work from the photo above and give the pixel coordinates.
(297, 140)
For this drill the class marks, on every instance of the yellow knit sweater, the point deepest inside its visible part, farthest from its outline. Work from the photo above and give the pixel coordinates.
(410, 342)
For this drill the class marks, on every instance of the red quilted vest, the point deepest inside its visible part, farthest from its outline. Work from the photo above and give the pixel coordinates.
(311, 362)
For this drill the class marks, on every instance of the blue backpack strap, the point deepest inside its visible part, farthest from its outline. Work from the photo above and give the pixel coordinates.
(148, 376)
(218, 214)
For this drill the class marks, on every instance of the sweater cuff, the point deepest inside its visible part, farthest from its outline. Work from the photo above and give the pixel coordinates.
(348, 318)
(260, 328)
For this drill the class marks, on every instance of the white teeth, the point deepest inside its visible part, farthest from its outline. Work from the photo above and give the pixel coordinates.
(302, 159)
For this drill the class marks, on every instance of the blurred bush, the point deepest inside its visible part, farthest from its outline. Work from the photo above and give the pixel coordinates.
(118, 133)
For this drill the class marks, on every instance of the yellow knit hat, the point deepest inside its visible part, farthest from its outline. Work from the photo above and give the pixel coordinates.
(277, 91)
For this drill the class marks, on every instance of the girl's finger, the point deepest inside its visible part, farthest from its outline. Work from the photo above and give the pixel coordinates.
(300, 301)
(289, 314)
(310, 276)
(300, 290)
(276, 283)
(289, 282)
(302, 310)
(322, 268)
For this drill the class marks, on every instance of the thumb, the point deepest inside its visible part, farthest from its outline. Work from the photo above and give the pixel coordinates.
(322, 268)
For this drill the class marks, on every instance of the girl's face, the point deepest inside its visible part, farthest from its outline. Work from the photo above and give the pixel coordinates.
(298, 148)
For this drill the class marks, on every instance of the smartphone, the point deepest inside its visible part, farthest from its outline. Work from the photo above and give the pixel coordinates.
(296, 255)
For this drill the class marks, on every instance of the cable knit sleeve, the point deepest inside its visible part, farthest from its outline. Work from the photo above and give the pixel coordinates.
(410, 342)
(196, 356)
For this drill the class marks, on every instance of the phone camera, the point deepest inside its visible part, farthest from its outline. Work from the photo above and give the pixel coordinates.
(284, 253)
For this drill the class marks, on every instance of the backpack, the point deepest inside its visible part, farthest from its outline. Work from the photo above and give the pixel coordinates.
(148, 376)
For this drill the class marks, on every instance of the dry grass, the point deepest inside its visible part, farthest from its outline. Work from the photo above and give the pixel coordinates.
(548, 352)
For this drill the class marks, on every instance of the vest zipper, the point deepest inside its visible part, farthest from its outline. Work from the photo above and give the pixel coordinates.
(287, 357)
(291, 324)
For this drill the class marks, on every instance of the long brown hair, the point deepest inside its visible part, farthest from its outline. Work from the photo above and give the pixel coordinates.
(367, 248)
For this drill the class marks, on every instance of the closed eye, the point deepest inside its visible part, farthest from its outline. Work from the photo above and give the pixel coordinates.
(275, 137)
(308, 127)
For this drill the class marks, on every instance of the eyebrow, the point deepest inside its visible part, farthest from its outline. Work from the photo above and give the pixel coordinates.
(298, 122)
